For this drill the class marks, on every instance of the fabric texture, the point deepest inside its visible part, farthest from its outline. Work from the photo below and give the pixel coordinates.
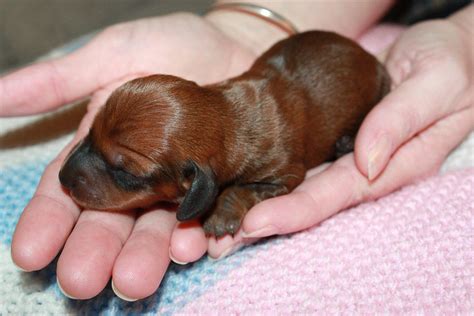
(408, 252)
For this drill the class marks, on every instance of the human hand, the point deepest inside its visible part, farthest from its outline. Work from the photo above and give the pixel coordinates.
(406, 137)
(131, 249)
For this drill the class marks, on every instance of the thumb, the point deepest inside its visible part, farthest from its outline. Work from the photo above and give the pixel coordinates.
(415, 104)
(428, 69)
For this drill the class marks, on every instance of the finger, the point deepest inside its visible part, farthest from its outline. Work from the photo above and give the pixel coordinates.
(418, 70)
(379, 38)
(188, 242)
(222, 247)
(316, 199)
(44, 224)
(47, 85)
(317, 170)
(424, 154)
(217, 248)
(144, 259)
(49, 217)
(411, 107)
(342, 185)
(46, 221)
(87, 260)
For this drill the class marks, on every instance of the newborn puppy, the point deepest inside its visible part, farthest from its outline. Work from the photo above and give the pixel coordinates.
(218, 150)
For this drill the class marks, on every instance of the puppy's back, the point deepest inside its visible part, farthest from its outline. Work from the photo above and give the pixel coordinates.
(340, 82)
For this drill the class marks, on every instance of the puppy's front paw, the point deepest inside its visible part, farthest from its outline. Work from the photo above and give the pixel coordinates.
(231, 207)
(219, 224)
(234, 202)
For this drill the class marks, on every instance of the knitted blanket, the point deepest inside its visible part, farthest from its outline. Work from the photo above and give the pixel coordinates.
(410, 251)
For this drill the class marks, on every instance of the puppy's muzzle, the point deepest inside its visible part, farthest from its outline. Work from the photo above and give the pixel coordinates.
(80, 174)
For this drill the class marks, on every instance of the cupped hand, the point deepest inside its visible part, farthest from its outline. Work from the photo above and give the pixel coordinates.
(133, 250)
(407, 136)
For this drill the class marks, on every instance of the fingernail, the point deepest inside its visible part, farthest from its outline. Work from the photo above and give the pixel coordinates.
(379, 152)
(227, 252)
(174, 259)
(262, 232)
(64, 292)
(121, 295)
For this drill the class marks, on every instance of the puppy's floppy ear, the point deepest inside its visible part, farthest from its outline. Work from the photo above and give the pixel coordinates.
(201, 195)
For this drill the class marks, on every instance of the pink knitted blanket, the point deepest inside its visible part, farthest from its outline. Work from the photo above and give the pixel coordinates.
(408, 252)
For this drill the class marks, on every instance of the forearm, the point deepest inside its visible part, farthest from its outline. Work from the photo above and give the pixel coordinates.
(350, 18)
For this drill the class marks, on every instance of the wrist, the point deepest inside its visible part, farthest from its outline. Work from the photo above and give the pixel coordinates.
(348, 18)
(255, 34)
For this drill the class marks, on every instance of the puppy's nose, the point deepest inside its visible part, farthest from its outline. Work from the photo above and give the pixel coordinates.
(73, 173)
(65, 179)
(71, 179)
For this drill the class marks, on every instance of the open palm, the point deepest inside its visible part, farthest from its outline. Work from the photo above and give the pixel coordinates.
(100, 245)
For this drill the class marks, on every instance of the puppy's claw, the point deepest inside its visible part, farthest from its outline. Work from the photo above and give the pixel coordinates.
(219, 225)
(232, 227)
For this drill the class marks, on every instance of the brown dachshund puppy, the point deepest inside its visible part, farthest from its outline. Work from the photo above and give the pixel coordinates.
(220, 149)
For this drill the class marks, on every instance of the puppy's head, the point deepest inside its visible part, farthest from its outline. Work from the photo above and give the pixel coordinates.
(146, 145)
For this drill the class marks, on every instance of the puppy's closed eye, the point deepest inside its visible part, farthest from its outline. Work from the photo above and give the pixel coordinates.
(127, 181)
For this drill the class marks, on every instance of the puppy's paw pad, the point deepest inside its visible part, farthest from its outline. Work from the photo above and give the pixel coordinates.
(219, 225)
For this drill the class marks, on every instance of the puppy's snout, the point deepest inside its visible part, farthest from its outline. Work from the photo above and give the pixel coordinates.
(80, 172)
(71, 179)
(66, 179)
(73, 175)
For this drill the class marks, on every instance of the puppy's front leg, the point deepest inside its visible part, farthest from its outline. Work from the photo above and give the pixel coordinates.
(235, 201)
